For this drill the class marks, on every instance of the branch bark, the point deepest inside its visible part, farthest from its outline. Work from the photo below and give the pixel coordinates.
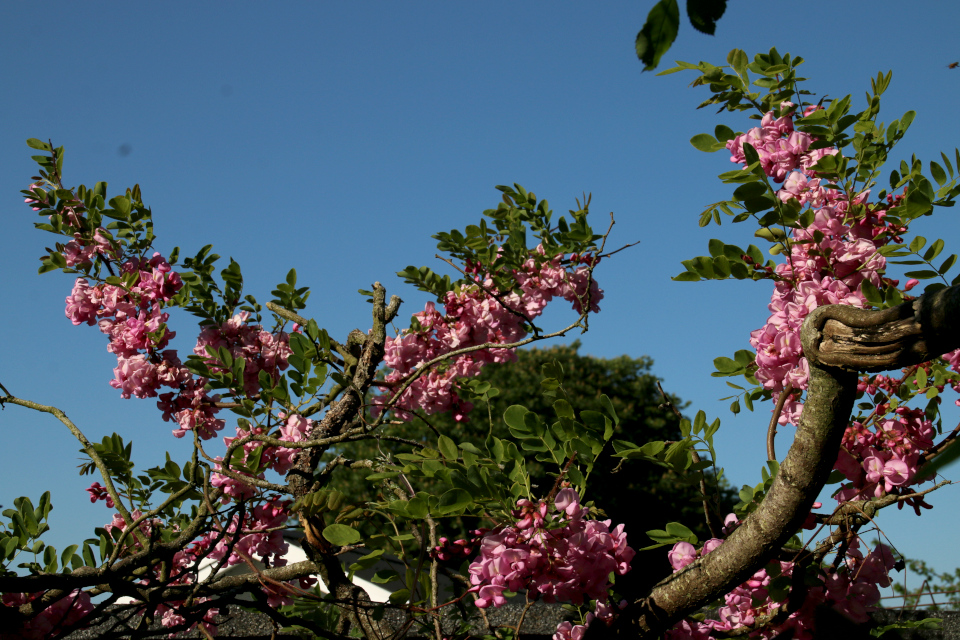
(838, 342)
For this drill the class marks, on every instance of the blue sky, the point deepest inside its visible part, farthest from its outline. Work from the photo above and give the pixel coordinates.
(337, 137)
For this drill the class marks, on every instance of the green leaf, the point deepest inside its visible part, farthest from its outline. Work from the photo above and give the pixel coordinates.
(608, 407)
(50, 560)
(737, 58)
(678, 530)
(67, 555)
(513, 416)
(88, 557)
(341, 535)
(871, 293)
(563, 409)
(706, 143)
(454, 500)
(399, 597)
(938, 173)
(724, 133)
(934, 250)
(921, 275)
(121, 204)
(448, 448)
(384, 576)
(704, 14)
(33, 143)
(727, 365)
(30, 519)
(658, 33)
(417, 508)
(947, 264)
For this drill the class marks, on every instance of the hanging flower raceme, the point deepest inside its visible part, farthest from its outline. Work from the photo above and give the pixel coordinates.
(476, 314)
(560, 555)
(852, 590)
(827, 261)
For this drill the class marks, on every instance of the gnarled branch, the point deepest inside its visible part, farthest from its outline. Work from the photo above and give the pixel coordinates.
(838, 342)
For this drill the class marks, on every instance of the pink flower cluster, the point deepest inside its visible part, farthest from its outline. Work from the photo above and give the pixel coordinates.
(280, 459)
(454, 550)
(780, 148)
(179, 574)
(79, 251)
(63, 613)
(562, 556)
(877, 460)
(99, 492)
(604, 611)
(827, 261)
(473, 317)
(192, 408)
(852, 591)
(260, 349)
(135, 323)
(259, 537)
(132, 316)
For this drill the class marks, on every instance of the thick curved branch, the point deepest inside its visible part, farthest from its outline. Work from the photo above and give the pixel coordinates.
(838, 341)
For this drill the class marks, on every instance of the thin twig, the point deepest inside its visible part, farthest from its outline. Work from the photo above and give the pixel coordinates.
(775, 420)
(90, 450)
(708, 514)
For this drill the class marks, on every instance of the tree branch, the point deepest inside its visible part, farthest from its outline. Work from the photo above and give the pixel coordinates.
(838, 341)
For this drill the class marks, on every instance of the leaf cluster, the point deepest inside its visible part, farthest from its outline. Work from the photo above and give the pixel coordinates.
(500, 247)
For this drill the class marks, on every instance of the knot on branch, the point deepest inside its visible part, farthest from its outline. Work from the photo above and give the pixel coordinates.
(867, 340)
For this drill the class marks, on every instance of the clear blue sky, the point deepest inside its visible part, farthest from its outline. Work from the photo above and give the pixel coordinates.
(337, 137)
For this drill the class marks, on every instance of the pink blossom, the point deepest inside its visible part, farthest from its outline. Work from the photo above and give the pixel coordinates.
(682, 554)
(65, 612)
(99, 492)
(83, 303)
(570, 562)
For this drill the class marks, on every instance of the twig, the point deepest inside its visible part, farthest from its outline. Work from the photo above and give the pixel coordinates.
(775, 419)
(626, 246)
(708, 514)
(89, 449)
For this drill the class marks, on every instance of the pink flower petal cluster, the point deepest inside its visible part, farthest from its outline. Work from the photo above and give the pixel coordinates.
(780, 148)
(294, 429)
(604, 611)
(852, 591)
(884, 456)
(258, 537)
(33, 201)
(827, 262)
(99, 492)
(458, 550)
(192, 408)
(64, 613)
(80, 251)
(260, 349)
(567, 558)
(134, 321)
(471, 317)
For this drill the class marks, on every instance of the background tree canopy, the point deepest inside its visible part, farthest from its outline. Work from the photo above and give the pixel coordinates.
(638, 496)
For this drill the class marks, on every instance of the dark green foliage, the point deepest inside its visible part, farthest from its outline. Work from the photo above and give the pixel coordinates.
(640, 495)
